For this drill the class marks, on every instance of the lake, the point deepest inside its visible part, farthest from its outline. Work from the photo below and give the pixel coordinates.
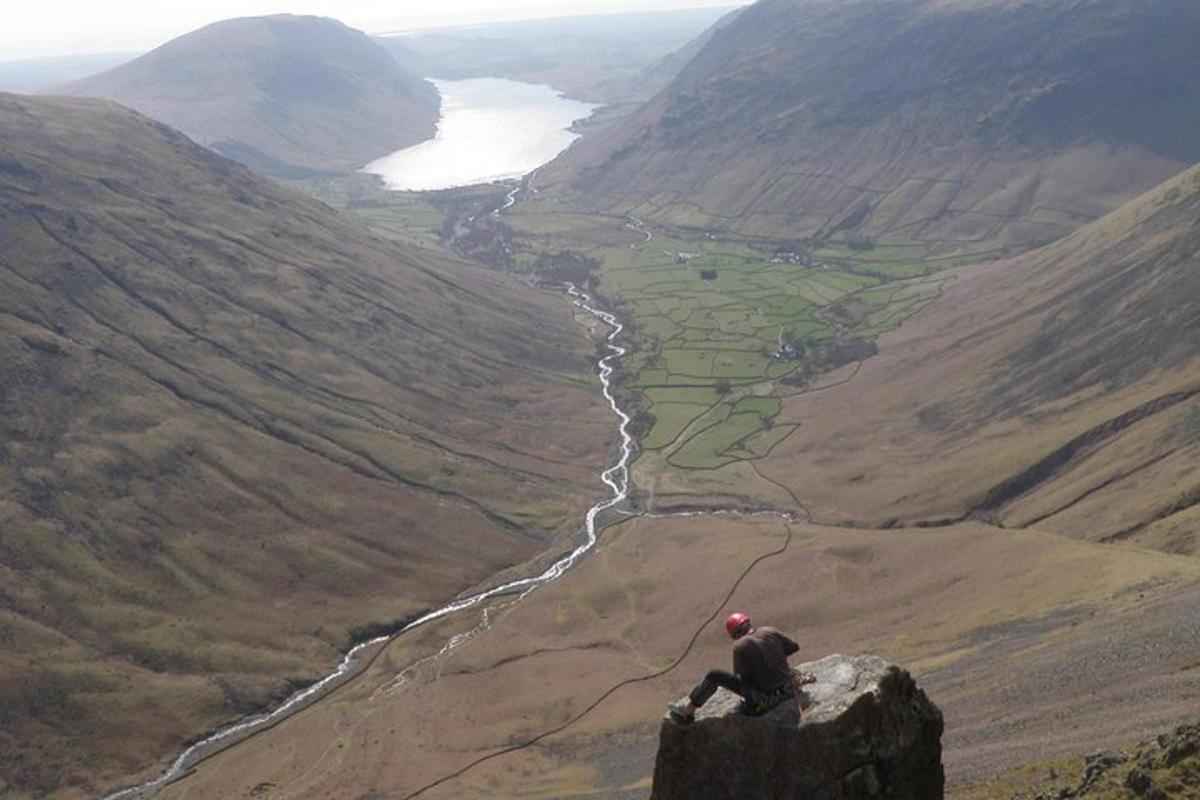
(491, 129)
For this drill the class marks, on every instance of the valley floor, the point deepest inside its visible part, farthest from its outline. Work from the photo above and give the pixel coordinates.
(1035, 643)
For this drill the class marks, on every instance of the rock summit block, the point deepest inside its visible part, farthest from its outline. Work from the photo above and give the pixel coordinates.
(864, 730)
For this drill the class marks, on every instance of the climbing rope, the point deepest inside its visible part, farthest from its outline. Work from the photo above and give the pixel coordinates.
(613, 690)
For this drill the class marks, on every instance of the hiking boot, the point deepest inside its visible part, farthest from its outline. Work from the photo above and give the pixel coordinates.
(679, 712)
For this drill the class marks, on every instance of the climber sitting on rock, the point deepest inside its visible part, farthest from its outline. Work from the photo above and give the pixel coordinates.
(761, 675)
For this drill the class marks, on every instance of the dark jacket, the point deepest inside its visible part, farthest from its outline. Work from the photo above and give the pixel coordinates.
(760, 659)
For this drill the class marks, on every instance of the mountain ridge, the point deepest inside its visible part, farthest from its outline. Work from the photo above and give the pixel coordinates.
(913, 121)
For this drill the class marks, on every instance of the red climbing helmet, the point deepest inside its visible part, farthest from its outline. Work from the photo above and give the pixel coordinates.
(738, 625)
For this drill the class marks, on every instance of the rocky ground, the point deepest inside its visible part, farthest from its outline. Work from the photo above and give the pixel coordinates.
(1165, 767)
(866, 731)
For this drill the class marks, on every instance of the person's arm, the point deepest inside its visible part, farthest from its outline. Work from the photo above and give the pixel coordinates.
(741, 662)
(789, 647)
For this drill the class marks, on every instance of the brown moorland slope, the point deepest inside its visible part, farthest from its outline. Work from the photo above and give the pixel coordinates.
(287, 95)
(963, 126)
(1059, 390)
(1032, 644)
(1062, 380)
(235, 426)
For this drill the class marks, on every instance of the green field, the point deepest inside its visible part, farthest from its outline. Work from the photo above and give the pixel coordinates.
(706, 315)
(400, 216)
(708, 318)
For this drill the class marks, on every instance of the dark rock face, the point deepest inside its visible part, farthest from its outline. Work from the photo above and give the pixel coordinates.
(866, 731)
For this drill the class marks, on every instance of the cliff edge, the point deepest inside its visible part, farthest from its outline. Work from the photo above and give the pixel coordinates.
(863, 730)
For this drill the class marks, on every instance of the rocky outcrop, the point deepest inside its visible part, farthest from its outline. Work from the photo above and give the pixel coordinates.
(864, 730)
(1165, 768)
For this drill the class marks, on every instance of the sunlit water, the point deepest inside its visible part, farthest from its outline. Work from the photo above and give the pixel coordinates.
(491, 129)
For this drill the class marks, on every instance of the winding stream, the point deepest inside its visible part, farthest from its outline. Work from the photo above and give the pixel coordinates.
(616, 478)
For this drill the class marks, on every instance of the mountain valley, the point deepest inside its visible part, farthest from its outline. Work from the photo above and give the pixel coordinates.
(907, 357)
(229, 400)
(1035, 643)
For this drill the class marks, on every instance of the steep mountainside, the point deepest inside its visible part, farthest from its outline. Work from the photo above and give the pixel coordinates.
(233, 428)
(1059, 390)
(977, 125)
(284, 94)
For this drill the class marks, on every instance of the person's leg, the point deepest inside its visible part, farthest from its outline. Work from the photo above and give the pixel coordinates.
(716, 679)
(682, 711)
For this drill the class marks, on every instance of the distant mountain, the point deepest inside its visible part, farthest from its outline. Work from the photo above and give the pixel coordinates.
(286, 95)
(234, 428)
(974, 125)
(596, 58)
(36, 74)
(1059, 390)
(657, 76)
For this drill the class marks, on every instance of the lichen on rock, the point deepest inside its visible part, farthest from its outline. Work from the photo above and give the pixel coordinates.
(864, 730)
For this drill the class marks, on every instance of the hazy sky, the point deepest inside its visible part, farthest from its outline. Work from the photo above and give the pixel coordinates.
(35, 28)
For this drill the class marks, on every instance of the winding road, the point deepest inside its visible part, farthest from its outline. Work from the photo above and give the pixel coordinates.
(636, 225)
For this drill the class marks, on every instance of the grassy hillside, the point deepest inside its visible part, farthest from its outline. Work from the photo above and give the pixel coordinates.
(961, 126)
(286, 95)
(1055, 389)
(1060, 389)
(234, 427)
